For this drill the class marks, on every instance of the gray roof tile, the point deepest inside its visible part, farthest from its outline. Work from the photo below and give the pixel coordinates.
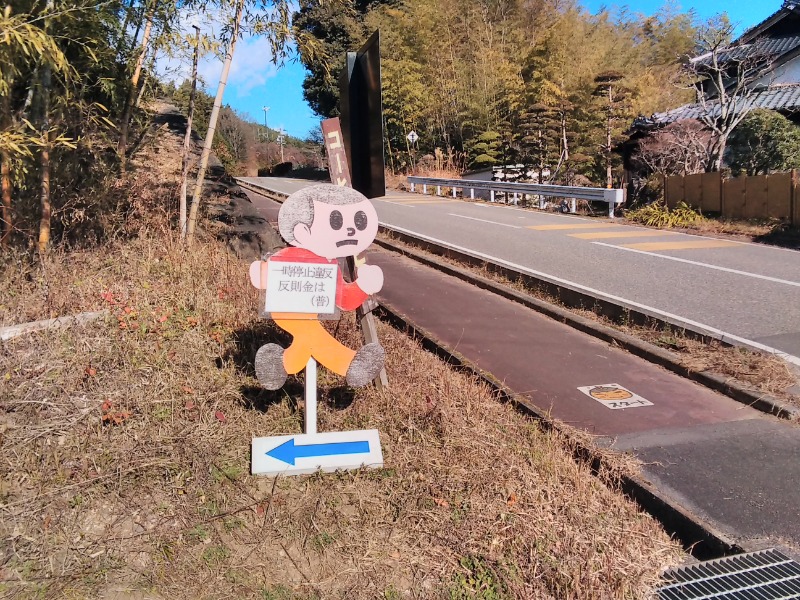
(766, 48)
(778, 97)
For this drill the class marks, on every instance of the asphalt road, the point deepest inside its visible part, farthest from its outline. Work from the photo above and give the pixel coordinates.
(744, 292)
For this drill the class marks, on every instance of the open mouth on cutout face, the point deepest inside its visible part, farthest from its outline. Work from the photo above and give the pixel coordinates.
(347, 243)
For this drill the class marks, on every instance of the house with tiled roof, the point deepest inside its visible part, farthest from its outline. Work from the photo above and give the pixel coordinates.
(776, 40)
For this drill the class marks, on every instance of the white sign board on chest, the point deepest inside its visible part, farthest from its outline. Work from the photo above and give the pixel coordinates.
(308, 453)
(301, 287)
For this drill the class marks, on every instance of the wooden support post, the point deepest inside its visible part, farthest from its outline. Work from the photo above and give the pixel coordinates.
(364, 316)
(333, 136)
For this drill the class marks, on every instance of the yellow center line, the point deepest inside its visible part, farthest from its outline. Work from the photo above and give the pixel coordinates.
(687, 245)
(573, 226)
(602, 235)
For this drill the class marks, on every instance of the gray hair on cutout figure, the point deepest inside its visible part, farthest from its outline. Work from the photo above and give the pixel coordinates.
(298, 208)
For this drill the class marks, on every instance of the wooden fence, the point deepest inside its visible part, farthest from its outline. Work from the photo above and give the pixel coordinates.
(755, 196)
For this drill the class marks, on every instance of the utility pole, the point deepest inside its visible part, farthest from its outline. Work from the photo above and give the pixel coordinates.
(265, 109)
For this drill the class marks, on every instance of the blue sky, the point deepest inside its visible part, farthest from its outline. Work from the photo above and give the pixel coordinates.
(255, 82)
(743, 13)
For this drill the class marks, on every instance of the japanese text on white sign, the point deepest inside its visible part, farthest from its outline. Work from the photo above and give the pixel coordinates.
(296, 287)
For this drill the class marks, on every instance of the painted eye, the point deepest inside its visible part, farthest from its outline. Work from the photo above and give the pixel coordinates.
(336, 220)
(361, 220)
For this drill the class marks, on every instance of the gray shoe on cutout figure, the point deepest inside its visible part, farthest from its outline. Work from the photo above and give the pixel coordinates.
(269, 366)
(366, 365)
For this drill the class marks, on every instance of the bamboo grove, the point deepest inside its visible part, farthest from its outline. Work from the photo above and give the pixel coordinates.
(496, 81)
(75, 79)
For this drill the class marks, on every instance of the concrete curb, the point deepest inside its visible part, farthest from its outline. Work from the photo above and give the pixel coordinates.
(277, 196)
(649, 352)
(702, 539)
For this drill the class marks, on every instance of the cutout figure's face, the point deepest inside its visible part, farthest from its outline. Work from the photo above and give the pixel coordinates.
(609, 393)
(339, 231)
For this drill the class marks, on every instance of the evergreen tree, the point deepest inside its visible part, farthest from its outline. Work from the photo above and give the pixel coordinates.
(764, 142)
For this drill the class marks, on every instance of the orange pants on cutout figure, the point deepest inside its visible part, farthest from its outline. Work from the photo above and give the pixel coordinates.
(311, 339)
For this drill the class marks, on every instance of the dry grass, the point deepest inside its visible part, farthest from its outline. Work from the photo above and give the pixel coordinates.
(156, 496)
(398, 181)
(758, 370)
(124, 470)
(775, 232)
(744, 229)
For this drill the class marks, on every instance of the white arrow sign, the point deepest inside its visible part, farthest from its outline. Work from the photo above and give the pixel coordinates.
(308, 453)
(412, 137)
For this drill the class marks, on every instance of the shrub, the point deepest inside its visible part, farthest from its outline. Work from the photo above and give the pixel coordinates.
(763, 142)
(658, 214)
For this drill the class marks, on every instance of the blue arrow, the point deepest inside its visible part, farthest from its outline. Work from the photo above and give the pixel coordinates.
(287, 452)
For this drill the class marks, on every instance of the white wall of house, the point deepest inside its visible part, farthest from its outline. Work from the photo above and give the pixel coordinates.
(788, 72)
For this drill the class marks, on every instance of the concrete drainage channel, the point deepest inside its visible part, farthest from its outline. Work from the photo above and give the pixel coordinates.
(676, 519)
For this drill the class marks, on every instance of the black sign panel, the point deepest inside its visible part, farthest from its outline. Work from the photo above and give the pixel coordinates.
(361, 117)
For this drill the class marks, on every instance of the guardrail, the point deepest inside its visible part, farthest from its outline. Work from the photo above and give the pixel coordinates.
(611, 196)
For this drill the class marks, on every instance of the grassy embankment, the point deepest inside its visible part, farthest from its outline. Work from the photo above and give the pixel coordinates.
(125, 453)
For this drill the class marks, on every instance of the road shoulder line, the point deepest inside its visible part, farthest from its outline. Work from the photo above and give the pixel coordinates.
(612, 305)
(640, 348)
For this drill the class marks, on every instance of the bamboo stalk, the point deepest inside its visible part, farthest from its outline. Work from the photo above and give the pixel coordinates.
(212, 124)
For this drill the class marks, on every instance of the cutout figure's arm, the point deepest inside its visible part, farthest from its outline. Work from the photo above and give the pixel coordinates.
(369, 278)
(258, 274)
(349, 296)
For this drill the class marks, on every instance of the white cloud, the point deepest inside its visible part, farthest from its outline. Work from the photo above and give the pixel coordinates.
(251, 67)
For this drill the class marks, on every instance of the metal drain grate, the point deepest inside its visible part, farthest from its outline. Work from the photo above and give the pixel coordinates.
(765, 575)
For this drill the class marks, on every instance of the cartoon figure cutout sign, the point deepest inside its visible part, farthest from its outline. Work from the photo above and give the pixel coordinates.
(303, 283)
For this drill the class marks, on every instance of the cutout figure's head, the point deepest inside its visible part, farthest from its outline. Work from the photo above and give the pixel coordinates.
(329, 220)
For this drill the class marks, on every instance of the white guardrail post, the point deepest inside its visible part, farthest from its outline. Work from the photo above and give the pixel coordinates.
(613, 197)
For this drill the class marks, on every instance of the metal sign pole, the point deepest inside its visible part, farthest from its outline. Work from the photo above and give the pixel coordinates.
(311, 397)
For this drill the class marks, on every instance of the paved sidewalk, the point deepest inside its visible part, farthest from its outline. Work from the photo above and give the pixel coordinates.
(734, 469)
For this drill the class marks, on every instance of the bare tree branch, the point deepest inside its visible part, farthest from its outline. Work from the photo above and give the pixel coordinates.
(725, 79)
